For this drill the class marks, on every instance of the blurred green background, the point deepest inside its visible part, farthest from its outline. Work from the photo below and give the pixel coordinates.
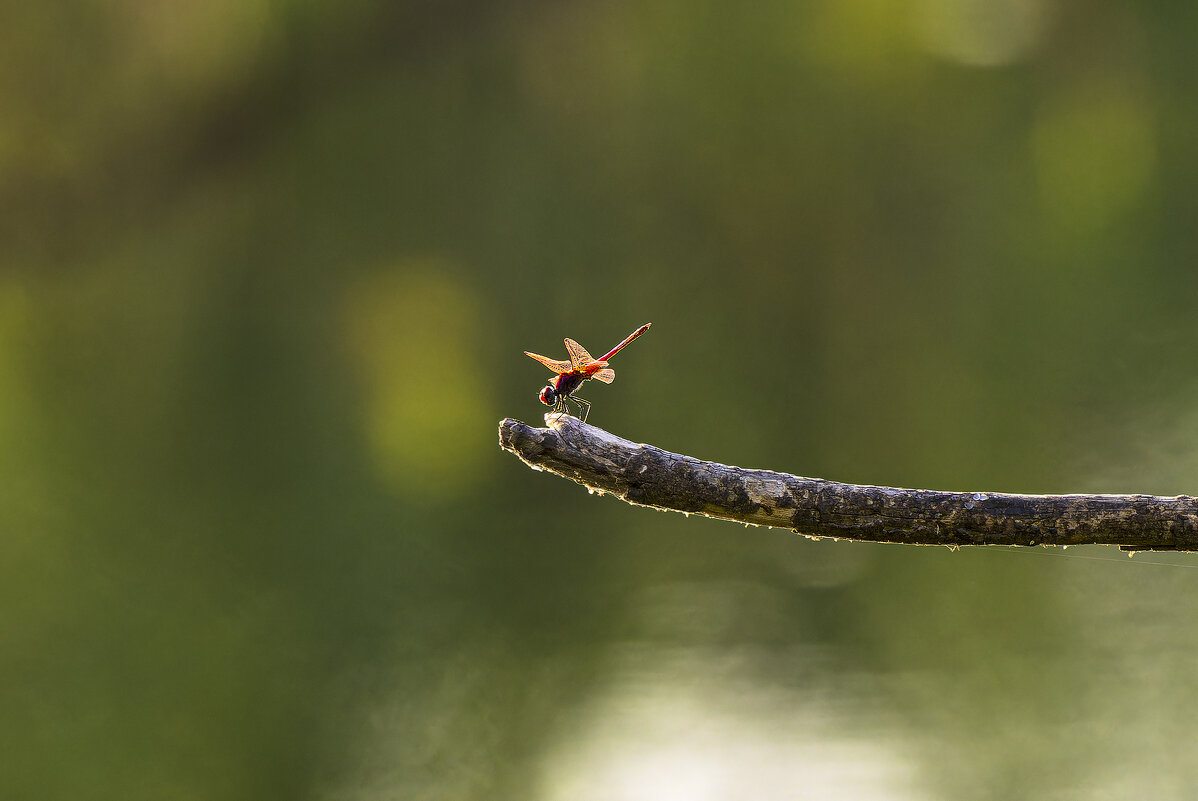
(266, 273)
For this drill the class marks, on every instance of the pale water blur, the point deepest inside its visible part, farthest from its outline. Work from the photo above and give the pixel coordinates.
(268, 270)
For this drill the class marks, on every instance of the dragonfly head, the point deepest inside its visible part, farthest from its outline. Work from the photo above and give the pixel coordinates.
(548, 395)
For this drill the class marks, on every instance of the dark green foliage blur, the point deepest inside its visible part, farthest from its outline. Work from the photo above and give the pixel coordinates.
(267, 270)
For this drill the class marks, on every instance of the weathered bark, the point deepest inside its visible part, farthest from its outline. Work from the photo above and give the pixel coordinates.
(648, 476)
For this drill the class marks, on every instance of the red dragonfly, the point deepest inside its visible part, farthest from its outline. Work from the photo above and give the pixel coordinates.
(581, 366)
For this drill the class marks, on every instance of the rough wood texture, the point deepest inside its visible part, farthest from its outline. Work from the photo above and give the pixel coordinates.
(648, 476)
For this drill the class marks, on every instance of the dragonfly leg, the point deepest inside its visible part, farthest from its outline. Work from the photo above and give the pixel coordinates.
(562, 405)
(584, 406)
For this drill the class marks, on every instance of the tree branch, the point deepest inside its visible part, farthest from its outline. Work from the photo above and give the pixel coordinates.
(647, 476)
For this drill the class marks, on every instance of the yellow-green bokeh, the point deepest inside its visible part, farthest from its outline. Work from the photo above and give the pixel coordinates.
(416, 337)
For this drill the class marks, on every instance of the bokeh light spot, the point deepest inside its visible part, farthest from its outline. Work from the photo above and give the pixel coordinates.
(982, 33)
(413, 333)
(703, 733)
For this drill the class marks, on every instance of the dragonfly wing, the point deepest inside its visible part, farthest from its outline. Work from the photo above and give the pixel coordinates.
(578, 354)
(606, 375)
(552, 364)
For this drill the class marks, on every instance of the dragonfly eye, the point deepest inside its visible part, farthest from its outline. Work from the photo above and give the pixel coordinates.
(548, 395)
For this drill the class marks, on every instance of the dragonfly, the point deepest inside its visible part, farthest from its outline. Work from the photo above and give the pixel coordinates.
(581, 367)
